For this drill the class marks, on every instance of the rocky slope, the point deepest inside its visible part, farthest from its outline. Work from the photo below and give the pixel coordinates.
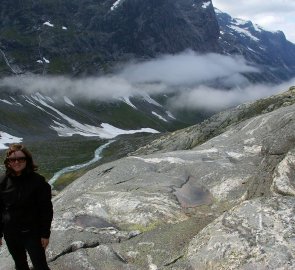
(78, 39)
(74, 37)
(227, 203)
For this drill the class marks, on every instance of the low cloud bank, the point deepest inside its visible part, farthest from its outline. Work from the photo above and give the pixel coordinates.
(187, 68)
(212, 99)
(184, 74)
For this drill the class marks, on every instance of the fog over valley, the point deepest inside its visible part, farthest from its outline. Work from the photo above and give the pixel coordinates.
(187, 76)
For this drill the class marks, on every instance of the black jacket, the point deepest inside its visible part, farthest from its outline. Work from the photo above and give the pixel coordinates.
(25, 204)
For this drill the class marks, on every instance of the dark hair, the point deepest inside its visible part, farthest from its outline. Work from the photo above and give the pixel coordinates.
(30, 166)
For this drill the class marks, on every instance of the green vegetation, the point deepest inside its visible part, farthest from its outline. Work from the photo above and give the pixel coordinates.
(139, 227)
(13, 34)
(58, 65)
(54, 155)
(68, 178)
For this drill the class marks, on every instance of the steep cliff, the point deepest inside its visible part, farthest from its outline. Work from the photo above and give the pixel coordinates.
(86, 37)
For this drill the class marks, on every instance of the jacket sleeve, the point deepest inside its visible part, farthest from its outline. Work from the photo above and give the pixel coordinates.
(45, 208)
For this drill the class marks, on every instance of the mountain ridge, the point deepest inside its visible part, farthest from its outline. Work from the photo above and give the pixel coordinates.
(78, 39)
(39, 39)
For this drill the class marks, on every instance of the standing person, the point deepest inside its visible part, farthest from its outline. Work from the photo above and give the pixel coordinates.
(25, 209)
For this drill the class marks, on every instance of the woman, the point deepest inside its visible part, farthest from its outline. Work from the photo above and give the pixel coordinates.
(25, 209)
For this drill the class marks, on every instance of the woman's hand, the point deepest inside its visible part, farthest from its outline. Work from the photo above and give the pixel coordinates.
(44, 242)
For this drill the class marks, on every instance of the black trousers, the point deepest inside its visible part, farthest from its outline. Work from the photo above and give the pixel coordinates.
(18, 243)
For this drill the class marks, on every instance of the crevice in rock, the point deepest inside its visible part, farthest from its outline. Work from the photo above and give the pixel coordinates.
(73, 248)
(124, 181)
(105, 171)
(185, 182)
(173, 261)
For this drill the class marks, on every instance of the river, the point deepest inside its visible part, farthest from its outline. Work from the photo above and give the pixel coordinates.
(97, 156)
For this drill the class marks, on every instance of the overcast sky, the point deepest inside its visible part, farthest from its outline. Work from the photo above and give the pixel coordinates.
(271, 14)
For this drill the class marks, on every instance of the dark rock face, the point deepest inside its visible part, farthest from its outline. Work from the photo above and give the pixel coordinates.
(77, 37)
(148, 28)
(89, 37)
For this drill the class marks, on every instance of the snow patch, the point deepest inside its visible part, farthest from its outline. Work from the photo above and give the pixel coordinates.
(46, 60)
(159, 116)
(48, 24)
(115, 5)
(206, 4)
(106, 131)
(243, 32)
(258, 28)
(6, 101)
(170, 115)
(43, 60)
(6, 138)
(240, 21)
(11, 103)
(127, 101)
(68, 101)
(150, 100)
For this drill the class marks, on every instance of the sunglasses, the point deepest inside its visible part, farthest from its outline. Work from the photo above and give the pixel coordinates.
(15, 159)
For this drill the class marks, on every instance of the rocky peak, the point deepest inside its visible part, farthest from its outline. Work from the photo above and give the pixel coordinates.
(148, 28)
(268, 50)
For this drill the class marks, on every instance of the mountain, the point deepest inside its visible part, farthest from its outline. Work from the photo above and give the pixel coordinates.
(45, 43)
(74, 37)
(55, 124)
(223, 200)
(90, 37)
(268, 50)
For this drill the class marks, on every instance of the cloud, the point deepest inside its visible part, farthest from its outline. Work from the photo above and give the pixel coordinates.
(103, 88)
(161, 75)
(211, 99)
(184, 76)
(186, 69)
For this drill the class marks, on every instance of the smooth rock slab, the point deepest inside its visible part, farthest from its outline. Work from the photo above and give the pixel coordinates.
(99, 258)
(258, 234)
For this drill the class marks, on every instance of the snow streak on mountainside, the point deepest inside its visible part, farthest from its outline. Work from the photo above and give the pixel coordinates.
(269, 50)
(6, 139)
(63, 124)
(167, 62)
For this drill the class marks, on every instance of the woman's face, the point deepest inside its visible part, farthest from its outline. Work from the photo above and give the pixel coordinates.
(17, 162)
